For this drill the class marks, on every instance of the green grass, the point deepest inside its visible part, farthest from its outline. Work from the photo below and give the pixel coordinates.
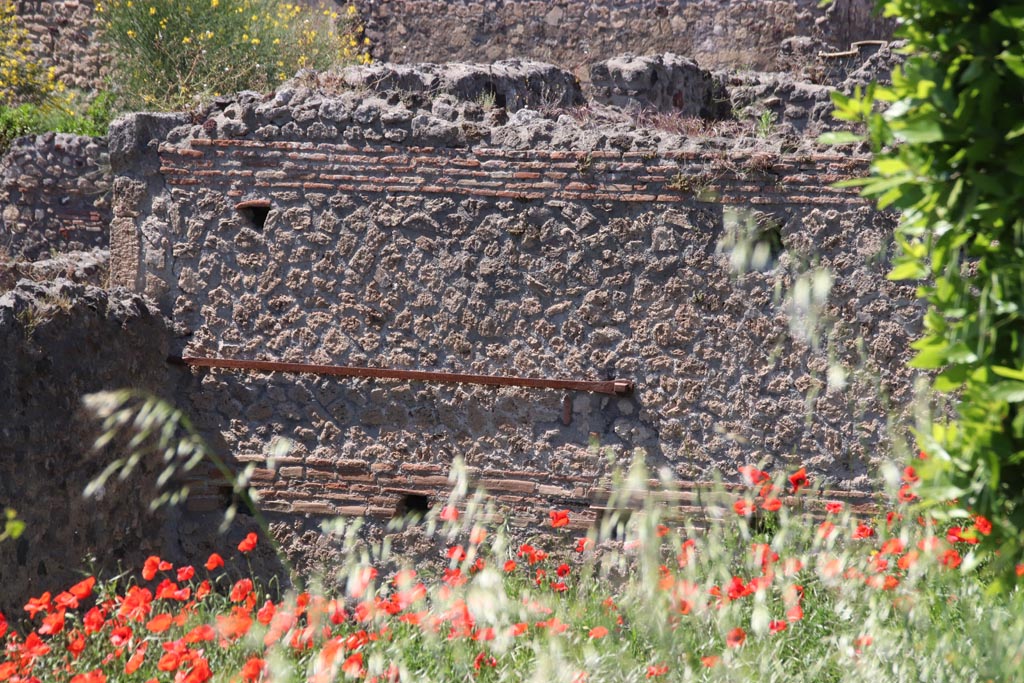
(797, 602)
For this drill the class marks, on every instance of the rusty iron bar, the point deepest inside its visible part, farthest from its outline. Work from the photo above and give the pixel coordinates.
(613, 387)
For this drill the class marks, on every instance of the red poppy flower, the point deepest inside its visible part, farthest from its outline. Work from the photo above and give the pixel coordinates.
(76, 644)
(454, 577)
(598, 632)
(950, 559)
(52, 624)
(736, 637)
(510, 565)
(353, 666)
(583, 543)
(252, 669)
(449, 514)
(135, 661)
(136, 604)
(956, 534)
(457, 553)
(826, 528)
(795, 613)
(482, 660)
(982, 525)
(477, 535)
(563, 569)
(798, 479)
(743, 507)
(169, 662)
(83, 589)
(709, 660)
(777, 626)
(36, 605)
(772, 505)
(214, 562)
(753, 476)
(863, 531)
(234, 625)
(833, 507)
(905, 494)
(910, 474)
(248, 543)
(908, 560)
(655, 670)
(891, 546)
(559, 518)
(240, 591)
(159, 623)
(95, 676)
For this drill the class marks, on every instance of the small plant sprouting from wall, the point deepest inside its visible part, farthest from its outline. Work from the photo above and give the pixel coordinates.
(766, 123)
(698, 184)
(12, 527)
(585, 164)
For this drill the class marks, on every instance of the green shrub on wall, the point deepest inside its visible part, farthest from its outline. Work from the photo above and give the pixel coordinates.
(32, 98)
(949, 154)
(169, 53)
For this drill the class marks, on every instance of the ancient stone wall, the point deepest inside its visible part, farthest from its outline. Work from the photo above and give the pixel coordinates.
(406, 229)
(572, 33)
(63, 340)
(63, 35)
(53, 195)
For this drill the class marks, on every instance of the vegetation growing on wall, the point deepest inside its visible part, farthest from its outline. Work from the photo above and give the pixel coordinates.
(949, 154)
(32, 98)
(170, 53)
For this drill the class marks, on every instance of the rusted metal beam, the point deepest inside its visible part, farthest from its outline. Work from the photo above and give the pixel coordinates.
(613, 387)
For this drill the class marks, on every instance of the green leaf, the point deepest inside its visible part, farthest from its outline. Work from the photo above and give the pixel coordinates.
(920, 131)
(839, 137)
(1010, 373)
(908, 270)
(929, 358)
(1011, 392)
(951, 379)
(1014, 62)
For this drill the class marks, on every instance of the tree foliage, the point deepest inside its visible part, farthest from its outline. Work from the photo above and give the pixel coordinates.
(948, 143)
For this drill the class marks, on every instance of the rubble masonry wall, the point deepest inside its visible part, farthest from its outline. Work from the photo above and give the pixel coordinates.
(404, 237)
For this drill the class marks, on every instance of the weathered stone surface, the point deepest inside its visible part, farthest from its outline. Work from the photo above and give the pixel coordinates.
(665, 82)
(60, 341)
(544, 245)
(511, 84)
(717, 33)
(53, 195)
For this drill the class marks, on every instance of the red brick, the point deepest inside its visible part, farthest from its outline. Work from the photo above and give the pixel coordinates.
(511, 485)
(313, 508)
(418, 480)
